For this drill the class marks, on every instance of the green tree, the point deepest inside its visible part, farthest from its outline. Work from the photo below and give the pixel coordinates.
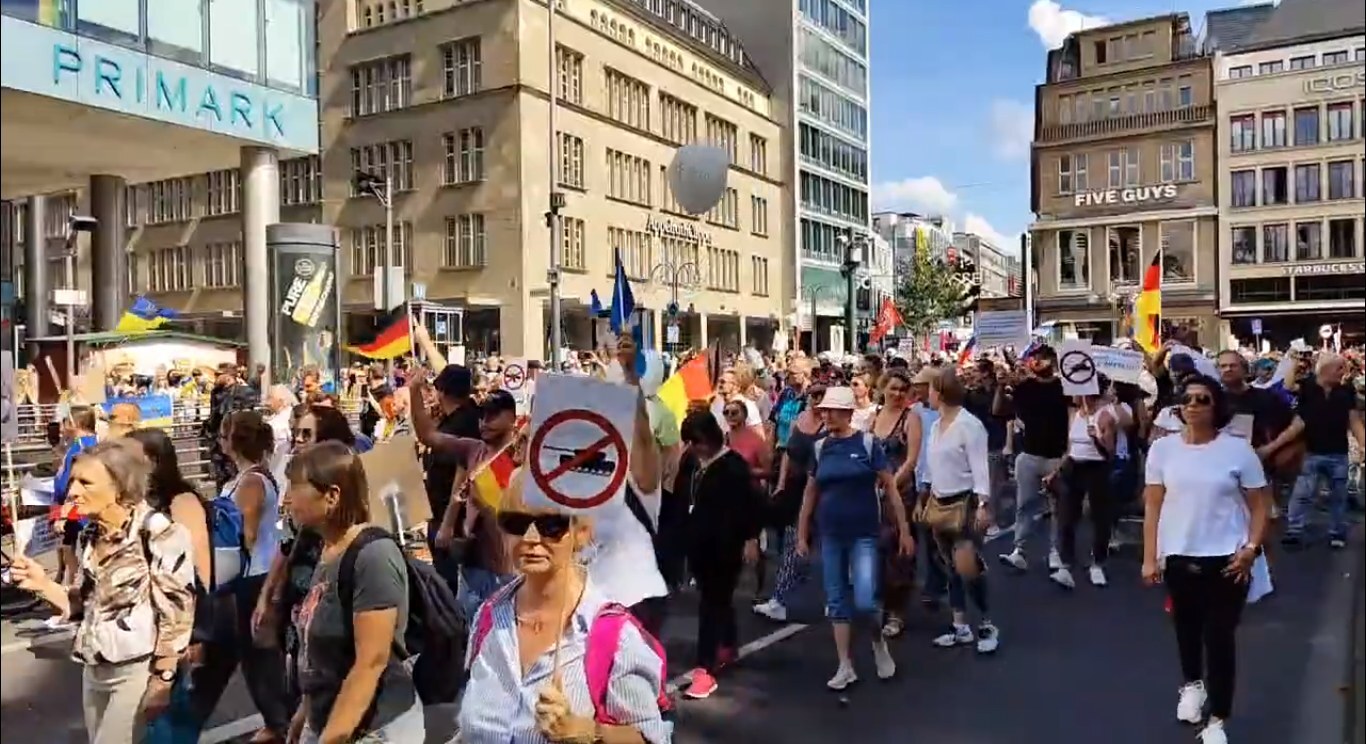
(928, 290)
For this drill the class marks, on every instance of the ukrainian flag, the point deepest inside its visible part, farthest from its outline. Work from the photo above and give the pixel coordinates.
(144, 316)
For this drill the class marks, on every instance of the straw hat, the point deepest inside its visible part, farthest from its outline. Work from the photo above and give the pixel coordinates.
(839, 399)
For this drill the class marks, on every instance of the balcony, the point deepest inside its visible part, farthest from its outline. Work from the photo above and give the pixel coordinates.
(1119, 126)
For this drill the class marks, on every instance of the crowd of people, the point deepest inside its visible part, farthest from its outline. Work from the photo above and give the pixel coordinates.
(887, 474)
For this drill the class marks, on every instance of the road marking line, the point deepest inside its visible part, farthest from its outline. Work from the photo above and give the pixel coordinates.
(232, 730)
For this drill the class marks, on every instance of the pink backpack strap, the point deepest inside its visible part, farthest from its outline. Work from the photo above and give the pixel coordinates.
(483, 623)
(604, 638)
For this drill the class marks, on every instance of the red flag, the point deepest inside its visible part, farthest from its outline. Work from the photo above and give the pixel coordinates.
(887, 320)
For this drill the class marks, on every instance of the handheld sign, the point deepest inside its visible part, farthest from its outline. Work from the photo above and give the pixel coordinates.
(397, 492)
(517, 381)
(9, 399)
(1078, 369)
(579, 450)
(1120, 365)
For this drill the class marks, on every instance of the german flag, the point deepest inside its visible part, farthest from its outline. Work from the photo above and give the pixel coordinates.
(1148, 308)
(493, 478)
(392, 337)
(695, 380)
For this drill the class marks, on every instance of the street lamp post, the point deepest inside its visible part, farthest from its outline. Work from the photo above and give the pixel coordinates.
(76, 224)
(557, 200)
(813, 294)
(675, 274)
(854, 246)
(383, 190)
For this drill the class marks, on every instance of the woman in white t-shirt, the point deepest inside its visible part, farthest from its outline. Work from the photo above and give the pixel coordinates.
(1206, 513)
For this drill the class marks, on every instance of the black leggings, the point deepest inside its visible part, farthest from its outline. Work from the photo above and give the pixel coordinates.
(1206, 608)
(1086, 479)
(717, 627)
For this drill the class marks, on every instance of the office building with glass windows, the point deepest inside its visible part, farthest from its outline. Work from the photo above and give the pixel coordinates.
(100, 94)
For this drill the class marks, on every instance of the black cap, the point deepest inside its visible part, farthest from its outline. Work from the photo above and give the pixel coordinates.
(499, 401)
(455, 380)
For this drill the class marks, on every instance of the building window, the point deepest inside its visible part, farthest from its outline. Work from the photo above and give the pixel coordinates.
(1336, 58)
(462, 67)
(1275, 186)
(1307, 126)
(1271, 68)
(301, 180)
(1066, 185)
(1116, 169)
(224, 192)
(1307, 183)
(384, 160)
(1185, 96)
(1302, 63)
(628, 100)
(464, 156)
(635, 250)
(1308, 241)
(1275, 243)
(758, 215)
(170, 200)
(678, 120)
(727, 211)
(628, 178)
(758, 267)
(1241, 71)
(1185, 161)
(758, 154)
(1342, 238)
(1341, 179)
(1340, 122)
(466, 244)
(571, 161)
(1273, 129)
(1074, 259)
(170, 270)
(1079, 176)
(1178, 251)
(573, 245)
(1244, 183)
(368, 249)
(571, 74)
(223, 264)
(723, 134)
(1244, 245)
(1126, 253)
(381, 85)
(723, 269)
(1243, 133)
(370, 13)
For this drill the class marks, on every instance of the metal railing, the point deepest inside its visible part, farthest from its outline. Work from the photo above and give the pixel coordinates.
(1114, 126)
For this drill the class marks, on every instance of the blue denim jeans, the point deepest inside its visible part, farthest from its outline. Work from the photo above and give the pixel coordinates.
(1332, 468)
(849, 571)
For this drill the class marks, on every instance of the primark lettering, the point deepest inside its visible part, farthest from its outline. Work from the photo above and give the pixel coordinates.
(1134, 195)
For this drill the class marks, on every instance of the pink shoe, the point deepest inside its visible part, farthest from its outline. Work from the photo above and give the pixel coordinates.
(725, 656)
(703, 685)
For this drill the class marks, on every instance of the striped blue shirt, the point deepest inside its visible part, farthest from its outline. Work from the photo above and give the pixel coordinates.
(499, 703)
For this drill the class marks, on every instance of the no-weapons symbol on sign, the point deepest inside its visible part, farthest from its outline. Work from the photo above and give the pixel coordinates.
(514, 377)
(578, 454)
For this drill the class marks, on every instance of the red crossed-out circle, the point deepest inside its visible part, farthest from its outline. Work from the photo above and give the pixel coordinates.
(545, 480)
(514, 373)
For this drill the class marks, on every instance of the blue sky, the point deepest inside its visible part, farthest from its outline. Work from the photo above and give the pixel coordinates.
(952, 100)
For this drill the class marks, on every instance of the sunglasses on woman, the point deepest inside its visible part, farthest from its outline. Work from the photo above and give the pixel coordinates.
(1197, 399)
(734, 413)
(548, 526)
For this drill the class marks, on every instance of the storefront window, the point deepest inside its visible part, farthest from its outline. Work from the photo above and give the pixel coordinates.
(114, 20)
(285, 42)
(233, 36)
(1178, 251)
(1074, 254)
(176, 23)
(1244, 245)
(1126, 254)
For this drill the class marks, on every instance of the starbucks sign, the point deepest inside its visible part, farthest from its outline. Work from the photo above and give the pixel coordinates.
(1132, 195)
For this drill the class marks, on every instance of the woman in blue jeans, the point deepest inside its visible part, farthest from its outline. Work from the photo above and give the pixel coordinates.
(850, 480)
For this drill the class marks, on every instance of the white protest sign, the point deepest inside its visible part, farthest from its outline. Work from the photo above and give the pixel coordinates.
(1002, 328)
(1120, 365)
(9, 406)
(579, 449)
(517, 381)
(1077, 368)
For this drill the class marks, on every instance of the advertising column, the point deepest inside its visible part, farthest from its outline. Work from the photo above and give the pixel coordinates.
(305, 312)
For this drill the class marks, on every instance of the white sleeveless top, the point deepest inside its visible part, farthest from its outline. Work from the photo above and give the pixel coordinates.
(268, 524)
(1080, 446)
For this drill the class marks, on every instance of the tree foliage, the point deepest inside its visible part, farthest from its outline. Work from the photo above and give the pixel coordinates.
(928, 290)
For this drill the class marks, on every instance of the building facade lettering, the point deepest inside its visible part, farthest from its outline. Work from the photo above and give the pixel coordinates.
(1322, 269)
(1134, 195)
(662, 228)
(1330, 84)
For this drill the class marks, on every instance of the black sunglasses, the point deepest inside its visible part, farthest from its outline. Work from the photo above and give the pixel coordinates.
(548, 526)
(1196, 399)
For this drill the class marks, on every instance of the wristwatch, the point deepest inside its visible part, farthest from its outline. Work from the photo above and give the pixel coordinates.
(1255, 548)
(166, 675)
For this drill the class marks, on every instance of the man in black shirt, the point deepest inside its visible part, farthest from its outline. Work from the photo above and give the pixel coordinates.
(1273, 424)
(460, 417)
(1038, 402)
(1328, 409)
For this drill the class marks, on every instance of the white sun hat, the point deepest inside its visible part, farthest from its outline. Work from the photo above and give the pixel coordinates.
(838, 398)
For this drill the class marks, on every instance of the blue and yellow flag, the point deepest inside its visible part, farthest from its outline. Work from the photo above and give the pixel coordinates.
(144, 316)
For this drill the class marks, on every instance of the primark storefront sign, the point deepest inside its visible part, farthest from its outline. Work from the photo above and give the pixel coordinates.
(1133, 195)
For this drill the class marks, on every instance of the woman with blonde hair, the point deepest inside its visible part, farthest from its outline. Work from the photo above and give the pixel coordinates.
(135, 599)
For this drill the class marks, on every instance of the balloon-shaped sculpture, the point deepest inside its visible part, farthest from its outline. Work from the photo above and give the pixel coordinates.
(650, 381)
(697, 176)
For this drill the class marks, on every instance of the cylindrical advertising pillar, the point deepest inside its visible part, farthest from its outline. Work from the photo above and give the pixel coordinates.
(305, 308)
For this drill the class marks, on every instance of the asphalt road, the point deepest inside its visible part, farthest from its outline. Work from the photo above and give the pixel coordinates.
(1087, 666)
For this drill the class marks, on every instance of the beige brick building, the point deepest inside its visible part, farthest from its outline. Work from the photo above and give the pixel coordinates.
(450, 99)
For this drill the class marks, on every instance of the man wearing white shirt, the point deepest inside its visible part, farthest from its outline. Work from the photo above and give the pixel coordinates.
(281, 402)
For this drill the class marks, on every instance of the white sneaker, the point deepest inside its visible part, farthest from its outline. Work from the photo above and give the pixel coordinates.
(1015, 559)
(1054, 559)
(988, 638)
(992, 533)
(961, 635)
(772, 609)
(1213, 732)
(844, 676)
(1190, 708)
(57, 622)
(1063, 578)
(1098, 576)
(882, 657)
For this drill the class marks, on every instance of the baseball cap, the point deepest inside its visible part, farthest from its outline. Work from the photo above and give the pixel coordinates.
(455, 380)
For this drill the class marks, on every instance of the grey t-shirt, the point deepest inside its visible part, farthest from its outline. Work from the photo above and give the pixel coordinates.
(325, 656)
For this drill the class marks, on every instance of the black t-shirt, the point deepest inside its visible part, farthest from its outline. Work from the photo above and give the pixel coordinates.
(979, 402)
(1270, 415)
(1042, 408)
(1325, 414)
(441, 470)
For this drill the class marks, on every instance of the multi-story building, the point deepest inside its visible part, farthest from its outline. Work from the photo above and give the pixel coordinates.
(997, 273)
(1290, 102)
(95, 98)
(1123, 172)
(908, 232)
(450, 101)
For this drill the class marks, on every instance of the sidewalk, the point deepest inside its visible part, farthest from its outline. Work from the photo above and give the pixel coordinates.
(1355, 686)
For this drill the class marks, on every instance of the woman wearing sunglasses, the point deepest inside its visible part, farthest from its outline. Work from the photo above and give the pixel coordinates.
(1206, 512)
(553, 615)
(747, 442)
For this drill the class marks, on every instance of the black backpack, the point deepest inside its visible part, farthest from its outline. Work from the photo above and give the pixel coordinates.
(435, 633)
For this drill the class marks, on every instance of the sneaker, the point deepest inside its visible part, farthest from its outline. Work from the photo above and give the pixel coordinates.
(57, 622)
(961, 635)
(1015, 559)
(703, 685)
(1063, 578)
(988, 638)
(1054, 559)
(1337, 542)
(1098, 576)
(993, 532)
(1190, 708)
(882, 657)
(1213, 732)
(773, 610)
(844, 676)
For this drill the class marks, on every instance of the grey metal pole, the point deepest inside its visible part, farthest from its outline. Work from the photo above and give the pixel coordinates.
(69, 262)
(850, 332)
(386, 291)
(553, 274)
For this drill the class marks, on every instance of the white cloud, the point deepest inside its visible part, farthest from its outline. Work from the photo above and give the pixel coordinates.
(1053, 23)
(975, 223)
(1012, 128)
(926, 195)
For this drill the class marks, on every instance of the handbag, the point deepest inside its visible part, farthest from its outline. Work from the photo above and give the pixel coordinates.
(944, 516)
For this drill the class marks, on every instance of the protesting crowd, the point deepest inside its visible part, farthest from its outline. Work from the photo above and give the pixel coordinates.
(886, 474)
